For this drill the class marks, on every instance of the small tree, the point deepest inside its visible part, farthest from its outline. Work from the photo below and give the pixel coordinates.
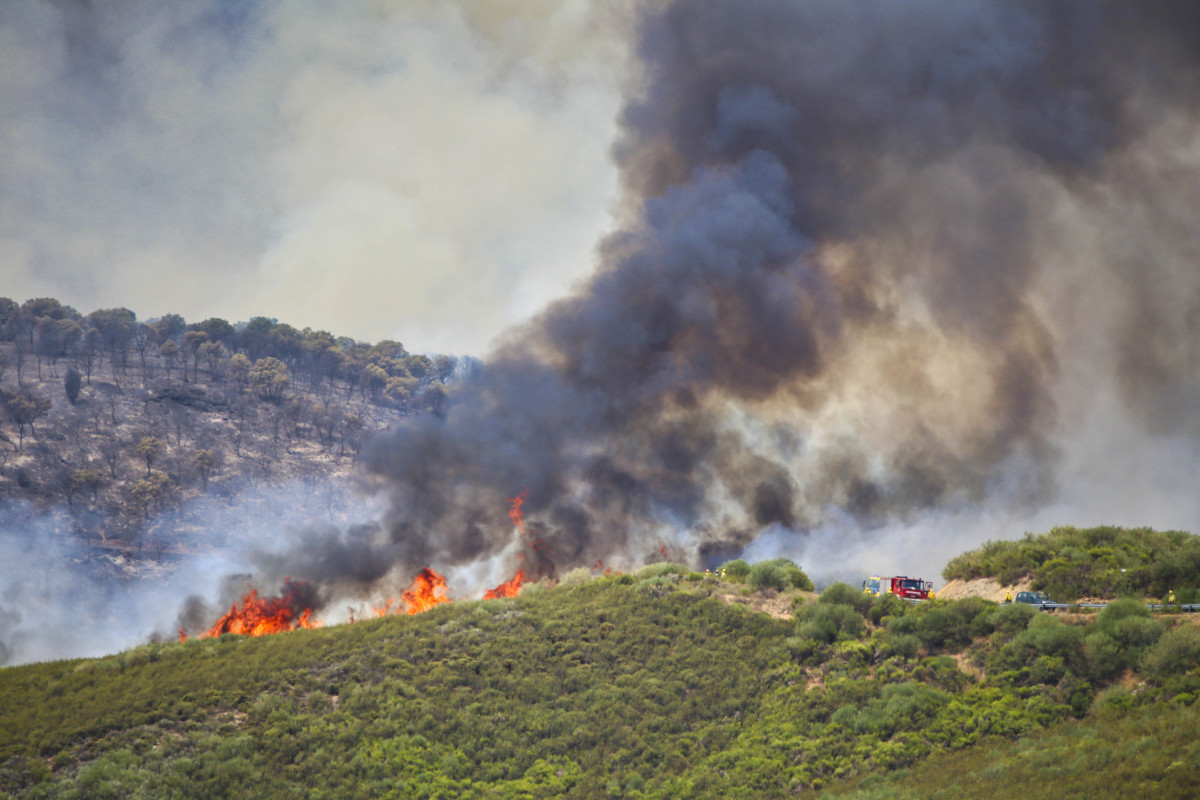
(205, 461)
(192, 341)
(212, 353)
(269, 377)
(151, 490)
(239, 371)
(150, 449)
(170, 353)
(72, 383)
(24, 407)
(89, 479)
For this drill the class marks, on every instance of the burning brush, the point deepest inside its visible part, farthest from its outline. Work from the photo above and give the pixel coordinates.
(259, 616)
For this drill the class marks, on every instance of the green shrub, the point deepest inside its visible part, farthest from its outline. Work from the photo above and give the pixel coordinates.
(904, 644)
(1009, 618)
(737, 570)
(846, 595)
(1104, 655)
(766, 575)
(1104, 561)
(795, 576)
(660, 569)
(1120, 635)
(827, 622)
(1176, 652)
(887, 605)
(576, 577)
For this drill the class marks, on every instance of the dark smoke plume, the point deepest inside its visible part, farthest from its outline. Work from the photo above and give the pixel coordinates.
(854, 258)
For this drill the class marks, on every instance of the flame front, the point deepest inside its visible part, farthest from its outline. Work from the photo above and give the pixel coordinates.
(428, 589)
(510, 588)
(259, 616)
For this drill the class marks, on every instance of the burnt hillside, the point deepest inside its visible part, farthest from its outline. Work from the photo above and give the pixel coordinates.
(111, 421)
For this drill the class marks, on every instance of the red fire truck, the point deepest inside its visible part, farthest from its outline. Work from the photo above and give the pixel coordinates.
(899, 585)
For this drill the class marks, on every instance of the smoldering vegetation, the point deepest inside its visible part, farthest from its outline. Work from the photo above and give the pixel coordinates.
(61, 597)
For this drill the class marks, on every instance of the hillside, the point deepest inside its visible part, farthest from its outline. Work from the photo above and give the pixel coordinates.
(1103, 562)
(112, 421)
(644, 685)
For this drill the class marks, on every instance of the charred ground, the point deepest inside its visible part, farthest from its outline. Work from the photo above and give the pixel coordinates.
(114, 423)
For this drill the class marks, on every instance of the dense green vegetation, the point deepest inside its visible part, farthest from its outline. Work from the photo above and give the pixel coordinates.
(1069, 563)
(640, 685)
(1144, 752)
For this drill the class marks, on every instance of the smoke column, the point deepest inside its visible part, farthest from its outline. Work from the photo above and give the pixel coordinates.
(867, 256)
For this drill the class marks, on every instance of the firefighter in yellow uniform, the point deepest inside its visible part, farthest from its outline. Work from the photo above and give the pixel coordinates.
(1008, 595)
(1170, 597)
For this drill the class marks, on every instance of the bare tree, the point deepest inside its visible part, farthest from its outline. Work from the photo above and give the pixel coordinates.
(142, 341)
(111, 452)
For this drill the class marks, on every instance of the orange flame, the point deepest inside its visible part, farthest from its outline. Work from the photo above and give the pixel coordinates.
(515, 513)
(508, 588)
(428, 589)
(259, 616)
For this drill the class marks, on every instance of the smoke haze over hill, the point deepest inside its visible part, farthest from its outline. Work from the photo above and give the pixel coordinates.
(240, 159)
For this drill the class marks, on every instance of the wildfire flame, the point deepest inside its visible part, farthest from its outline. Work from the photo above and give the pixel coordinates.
(428, 589)
(259, 616)
(515, 513)
(509, 588)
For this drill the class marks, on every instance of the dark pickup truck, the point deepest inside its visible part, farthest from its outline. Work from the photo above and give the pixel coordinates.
(1038, 599)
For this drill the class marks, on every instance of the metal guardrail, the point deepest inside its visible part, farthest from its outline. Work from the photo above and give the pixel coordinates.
(1190, 608)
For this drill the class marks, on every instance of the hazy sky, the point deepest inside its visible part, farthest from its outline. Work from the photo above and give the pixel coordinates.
(426, 171)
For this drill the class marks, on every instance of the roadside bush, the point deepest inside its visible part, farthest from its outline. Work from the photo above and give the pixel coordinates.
(887, 605)
(1009, 619)
(846, 595)
(951, 626)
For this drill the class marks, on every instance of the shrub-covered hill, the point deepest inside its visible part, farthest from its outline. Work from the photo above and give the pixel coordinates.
(643, 685)
(1069, 563)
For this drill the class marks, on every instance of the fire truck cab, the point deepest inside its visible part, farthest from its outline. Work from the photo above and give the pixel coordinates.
(899, 585)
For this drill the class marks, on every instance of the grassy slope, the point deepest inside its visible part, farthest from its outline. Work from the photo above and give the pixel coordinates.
(636, 686)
